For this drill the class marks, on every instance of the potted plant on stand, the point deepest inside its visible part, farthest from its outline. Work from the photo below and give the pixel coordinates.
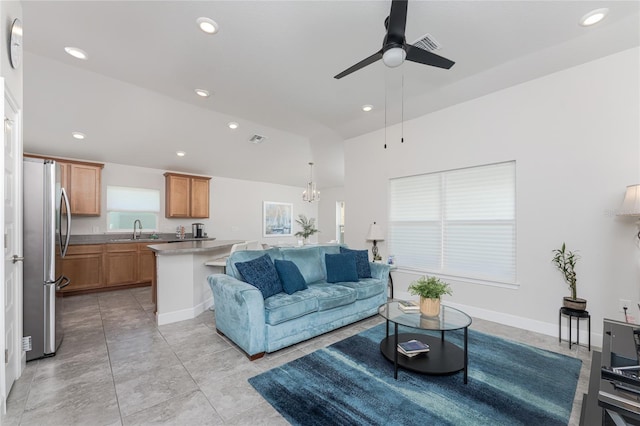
(308, 227)
(565, 260)
(430, 290)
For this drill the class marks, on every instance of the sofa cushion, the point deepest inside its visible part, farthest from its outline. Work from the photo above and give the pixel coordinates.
(341, 267)
(261, 274)
(362, 261)
(246, 255)
(331, 296)
(290, 276)
(367, 287)
(308, 261)
(284, 307)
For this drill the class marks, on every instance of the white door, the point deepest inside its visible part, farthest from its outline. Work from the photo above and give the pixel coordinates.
(12, 351)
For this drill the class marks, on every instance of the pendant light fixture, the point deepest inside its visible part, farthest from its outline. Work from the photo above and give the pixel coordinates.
(311, 194)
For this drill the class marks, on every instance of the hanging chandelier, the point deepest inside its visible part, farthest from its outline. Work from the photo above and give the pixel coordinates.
(311, 194)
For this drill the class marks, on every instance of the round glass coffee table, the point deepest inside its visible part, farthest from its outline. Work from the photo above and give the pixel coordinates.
(443, 357)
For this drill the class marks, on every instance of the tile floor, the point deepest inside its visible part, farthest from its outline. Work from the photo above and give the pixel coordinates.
(116, 367)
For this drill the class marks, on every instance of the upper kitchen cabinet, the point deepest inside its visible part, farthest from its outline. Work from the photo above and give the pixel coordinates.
(186, 196)
(82, 181)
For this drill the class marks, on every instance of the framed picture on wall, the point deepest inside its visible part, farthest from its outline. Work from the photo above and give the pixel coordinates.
(277, 219)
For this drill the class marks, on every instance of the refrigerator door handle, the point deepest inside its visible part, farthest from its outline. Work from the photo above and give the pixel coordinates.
(65, 199)
(64, 281)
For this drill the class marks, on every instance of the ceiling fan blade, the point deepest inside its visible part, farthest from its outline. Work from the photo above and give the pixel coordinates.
(421, 56)
(368, 61)
(397, 20)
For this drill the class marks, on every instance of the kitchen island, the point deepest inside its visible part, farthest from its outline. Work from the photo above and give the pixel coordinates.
(181, 290)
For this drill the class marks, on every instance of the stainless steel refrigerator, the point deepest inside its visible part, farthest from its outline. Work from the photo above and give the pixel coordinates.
(47, 225)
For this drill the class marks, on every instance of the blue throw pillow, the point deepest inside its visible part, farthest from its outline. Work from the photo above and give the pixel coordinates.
(362, 261)
(290, 276)
(261, 274)
(341, 267)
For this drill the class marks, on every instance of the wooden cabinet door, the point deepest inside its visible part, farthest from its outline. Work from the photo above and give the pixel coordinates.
(199, 197)
(177, 195)
(83, 266)
(146, 264)
(84, 189)
(121, 264)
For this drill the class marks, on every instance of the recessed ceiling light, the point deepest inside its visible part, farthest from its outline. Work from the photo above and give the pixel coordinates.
(233, 125)
(207, 25)
(181, 153)
(593, 17)
(367, 108)
(78, 135)
(202, 92)
(76, 53)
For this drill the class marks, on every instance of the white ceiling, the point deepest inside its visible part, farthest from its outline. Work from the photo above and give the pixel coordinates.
(271, 69)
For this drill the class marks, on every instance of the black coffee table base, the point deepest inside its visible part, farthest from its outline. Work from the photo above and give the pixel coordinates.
(442, 359)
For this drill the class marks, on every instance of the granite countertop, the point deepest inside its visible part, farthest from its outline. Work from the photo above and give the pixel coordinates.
(187, 247)
(126, 238)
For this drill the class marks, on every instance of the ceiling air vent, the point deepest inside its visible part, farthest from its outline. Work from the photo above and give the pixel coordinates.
(257, 139)
(427, 42)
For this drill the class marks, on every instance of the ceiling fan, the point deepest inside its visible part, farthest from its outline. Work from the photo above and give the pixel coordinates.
(395, 48)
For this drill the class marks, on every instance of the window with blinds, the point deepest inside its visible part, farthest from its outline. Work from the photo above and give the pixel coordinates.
(126, 204)
(458, 222)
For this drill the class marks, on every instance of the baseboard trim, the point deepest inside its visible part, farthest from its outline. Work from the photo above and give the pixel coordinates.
(549, 329)
(184, 314)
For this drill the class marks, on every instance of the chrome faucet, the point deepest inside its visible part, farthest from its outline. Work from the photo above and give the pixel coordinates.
(135, 237)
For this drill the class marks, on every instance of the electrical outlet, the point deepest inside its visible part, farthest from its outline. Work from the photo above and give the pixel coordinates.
(624, 303)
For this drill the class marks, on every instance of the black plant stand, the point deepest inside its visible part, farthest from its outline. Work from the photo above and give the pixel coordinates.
(578, 315)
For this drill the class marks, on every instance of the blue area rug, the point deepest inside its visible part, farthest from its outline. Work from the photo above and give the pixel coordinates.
(351, 383)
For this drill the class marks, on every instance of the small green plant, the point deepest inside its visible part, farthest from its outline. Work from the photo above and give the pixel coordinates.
(429, 287)
(308, 226)
(565, 260)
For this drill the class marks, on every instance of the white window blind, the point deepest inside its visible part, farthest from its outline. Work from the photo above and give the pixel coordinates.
(127, 204)
(457, 222)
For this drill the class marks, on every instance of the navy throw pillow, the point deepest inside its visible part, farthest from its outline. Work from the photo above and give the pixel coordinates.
(290, 276)
(362, 261)
(261, 274)
(341, 267)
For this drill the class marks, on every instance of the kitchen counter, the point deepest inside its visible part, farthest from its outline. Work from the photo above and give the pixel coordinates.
(181, 289)
(196, 246)
(126, 238)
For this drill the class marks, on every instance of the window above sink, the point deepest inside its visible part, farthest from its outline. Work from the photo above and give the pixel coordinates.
(127, 204)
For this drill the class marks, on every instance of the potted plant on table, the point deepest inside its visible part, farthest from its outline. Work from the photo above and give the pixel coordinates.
(308, 227)
(430, 290)
(565, 260)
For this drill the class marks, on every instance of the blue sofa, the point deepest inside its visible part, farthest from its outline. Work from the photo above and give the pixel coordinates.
(258, 325)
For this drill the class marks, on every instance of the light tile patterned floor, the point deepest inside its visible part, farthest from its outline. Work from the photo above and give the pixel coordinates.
(115, 367)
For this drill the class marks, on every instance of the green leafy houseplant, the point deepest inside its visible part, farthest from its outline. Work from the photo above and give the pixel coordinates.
(429, 288)
(565, 260)
(308, 226)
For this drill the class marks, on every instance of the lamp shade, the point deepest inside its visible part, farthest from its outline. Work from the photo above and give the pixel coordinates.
(631, 202)
(375, 233)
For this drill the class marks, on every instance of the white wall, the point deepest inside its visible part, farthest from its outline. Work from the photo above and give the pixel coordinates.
(327, 212)
(576, 141)
(235, 211)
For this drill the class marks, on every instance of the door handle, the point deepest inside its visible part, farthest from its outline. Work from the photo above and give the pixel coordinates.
(17, 258)
(63, 283)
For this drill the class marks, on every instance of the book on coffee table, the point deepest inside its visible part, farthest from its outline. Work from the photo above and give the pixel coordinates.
(408, 306)
(413, 347)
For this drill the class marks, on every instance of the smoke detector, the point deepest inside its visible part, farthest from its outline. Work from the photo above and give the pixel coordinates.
(256, 139)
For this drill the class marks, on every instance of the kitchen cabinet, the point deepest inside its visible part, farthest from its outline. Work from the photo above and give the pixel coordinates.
(83, 266)
(186, 196)
(104, 266)
(146, 263)
(121, 264)
(82, 181)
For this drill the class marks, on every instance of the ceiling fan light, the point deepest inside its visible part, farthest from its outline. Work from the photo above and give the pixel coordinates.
(394, 57)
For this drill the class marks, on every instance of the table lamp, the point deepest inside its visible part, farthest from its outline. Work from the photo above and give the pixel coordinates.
(375, 234)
